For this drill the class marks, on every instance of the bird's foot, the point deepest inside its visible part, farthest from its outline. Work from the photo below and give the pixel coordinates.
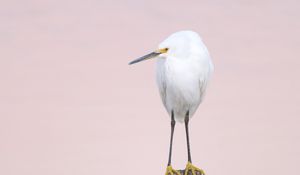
(171, 171)
(190, 169)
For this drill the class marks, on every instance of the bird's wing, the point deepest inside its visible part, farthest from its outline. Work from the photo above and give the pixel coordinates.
(202, 87)
(162, 86)
(161, 82)
(203, 81)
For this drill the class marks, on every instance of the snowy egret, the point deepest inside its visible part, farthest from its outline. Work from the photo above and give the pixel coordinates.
(183, 70)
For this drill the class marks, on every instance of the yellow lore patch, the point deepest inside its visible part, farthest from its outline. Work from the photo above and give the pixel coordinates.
(164, 50)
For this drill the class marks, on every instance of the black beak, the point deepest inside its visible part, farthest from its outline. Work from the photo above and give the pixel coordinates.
(146, 57)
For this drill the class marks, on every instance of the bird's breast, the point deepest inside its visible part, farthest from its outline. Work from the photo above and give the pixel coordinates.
(179, 85)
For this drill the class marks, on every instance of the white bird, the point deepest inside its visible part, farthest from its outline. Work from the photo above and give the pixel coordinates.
(183, 70)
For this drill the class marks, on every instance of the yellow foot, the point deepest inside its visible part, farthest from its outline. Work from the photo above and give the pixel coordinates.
(190, 169)
(171, 171)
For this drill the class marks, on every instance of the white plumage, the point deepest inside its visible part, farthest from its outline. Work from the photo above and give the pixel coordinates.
(183, 70)
(182, 73)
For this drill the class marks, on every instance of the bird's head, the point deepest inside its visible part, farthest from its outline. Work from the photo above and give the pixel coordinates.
(178, 45)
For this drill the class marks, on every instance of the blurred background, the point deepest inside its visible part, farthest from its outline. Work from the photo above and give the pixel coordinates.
(70, 104)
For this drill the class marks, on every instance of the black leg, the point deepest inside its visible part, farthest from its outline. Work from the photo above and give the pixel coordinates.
(186, 122)
(171, 140)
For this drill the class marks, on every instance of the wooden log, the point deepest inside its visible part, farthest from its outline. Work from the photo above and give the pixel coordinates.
(190, 173)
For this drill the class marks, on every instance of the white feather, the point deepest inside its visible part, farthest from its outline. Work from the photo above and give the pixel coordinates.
(182, 73)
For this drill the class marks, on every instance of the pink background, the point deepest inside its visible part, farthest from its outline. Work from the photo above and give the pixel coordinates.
(70, 104)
